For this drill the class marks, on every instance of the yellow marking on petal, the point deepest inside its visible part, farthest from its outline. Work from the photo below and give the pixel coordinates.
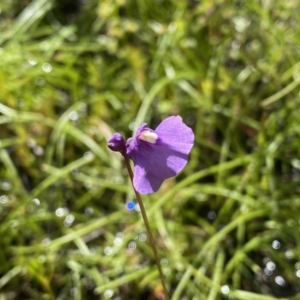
(148, 136)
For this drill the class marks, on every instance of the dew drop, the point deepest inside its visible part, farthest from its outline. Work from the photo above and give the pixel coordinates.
(41, 212)
(89, 211)
(268, 271)
(132, 245)
(32, 62)
(36, 201)
(88, 155)
(40, 81)
(3, 199)
(73, 115)
(211, 215)
(69, 220)
(289, 254)
(46, 241)
(73, 291)
(108, 294)
(61, 211)
(276, 244)
(271, 266)
(31, 143)
(118, 241)
(5, 185)
(280, 281)
(108, 250)
(167, 271)
(133, 126)
(225, 289)
(143, 237)
(38, 150)
(47, 68)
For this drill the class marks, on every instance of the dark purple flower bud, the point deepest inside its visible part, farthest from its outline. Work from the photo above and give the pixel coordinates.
(117, 143)
(159, 154)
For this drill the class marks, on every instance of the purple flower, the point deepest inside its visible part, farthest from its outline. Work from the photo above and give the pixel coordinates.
(159, 154)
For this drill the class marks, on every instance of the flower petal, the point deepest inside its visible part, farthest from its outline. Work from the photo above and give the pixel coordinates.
(176, 134)
(151, 167)
(155, 162)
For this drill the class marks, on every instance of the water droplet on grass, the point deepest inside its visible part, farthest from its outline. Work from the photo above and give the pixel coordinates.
(289, 254)
(268, 271)
(211, 215)
(225, 289)
(47, 68)
(108, 294)
(69, 220)
(137, 207)
(88, 155)
(280, 281)
(73, 291)
(118, 241)
(36, 201)
(4, 199)
(271, 266)
(108, 250)
(89, 211)
(276, 244)
(40, 81)
(38, 150)
(132, 245)
(32, 62)
(46, 241)
(61, 211)
(73, 115)
(143, 237)
(41, 212)
(133, 126)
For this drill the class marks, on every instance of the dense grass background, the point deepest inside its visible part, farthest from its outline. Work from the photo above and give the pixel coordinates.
(74, 72)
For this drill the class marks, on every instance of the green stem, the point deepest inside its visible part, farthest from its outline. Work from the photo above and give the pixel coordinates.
(151, 238)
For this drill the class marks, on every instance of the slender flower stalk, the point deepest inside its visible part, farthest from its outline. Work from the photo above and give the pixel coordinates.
(148, 228)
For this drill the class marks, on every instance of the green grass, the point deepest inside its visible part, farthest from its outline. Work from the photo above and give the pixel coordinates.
(73, 74)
